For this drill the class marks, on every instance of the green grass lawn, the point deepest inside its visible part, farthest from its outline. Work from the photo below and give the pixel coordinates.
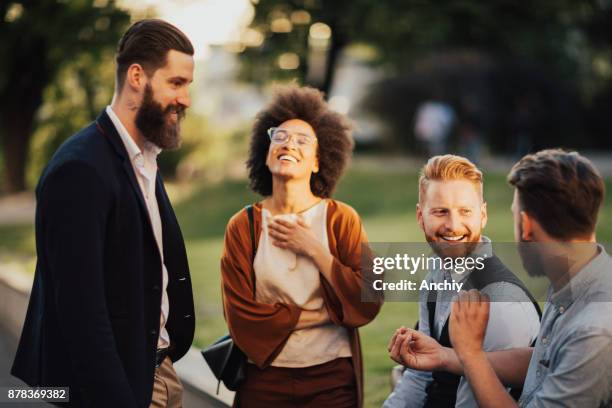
(386, 202)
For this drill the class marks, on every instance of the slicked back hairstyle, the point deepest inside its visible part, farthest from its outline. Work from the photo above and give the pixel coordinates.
(147, 43)
(562, 190)
(334, 143)
(448, 167)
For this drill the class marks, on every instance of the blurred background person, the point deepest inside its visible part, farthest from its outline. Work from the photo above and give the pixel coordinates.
(433, 124)
(469, 130)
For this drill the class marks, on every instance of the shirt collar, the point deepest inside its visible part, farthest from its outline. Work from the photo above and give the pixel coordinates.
(580, 283)
(130, 145)
(484, 249)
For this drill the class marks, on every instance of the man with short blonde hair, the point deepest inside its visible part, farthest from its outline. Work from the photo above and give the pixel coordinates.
(452, 213)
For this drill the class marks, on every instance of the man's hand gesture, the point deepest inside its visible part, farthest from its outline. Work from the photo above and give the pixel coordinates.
(416, 350)
(468, 323)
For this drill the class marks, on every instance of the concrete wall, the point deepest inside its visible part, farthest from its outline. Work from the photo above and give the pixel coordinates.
(199, 382)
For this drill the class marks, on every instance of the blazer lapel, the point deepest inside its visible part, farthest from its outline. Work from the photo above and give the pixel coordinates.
(107, 128)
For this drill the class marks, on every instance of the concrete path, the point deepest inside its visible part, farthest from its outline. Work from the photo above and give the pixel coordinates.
(192, 398)
(199, 383)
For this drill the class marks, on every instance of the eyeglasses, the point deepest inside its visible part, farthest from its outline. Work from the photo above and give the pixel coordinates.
(281, 136)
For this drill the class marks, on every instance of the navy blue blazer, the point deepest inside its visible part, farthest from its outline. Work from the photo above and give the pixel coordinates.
(93, 319)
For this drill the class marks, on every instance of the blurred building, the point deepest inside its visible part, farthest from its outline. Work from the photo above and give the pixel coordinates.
(353, 80)
(226, 102)
(229, 103)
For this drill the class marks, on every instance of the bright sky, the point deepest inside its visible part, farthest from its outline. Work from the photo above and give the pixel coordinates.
(204, 21)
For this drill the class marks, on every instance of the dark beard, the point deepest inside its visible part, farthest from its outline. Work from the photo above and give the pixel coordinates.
(152, 121)
(538, 260)
(532, 257)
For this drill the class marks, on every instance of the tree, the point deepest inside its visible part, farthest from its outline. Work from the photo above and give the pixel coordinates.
(567, 43)
(404, 30)
(312, 32)
(39, 38)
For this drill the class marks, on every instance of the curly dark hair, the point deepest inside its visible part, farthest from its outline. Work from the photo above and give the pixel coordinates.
(331, 128)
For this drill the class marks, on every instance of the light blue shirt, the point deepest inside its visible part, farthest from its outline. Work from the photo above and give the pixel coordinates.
(571, 364)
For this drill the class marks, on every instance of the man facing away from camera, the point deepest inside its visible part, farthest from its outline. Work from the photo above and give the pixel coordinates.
(557, 198)
(452, 214)
(111, 307)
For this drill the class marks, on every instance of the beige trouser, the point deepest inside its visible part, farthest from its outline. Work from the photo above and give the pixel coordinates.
(167, 388)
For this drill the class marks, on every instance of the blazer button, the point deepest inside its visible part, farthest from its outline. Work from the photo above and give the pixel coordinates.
(153, 332)
(187, 316)
(156, 288)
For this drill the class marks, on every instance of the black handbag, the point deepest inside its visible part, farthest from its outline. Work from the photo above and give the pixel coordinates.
(225, 359)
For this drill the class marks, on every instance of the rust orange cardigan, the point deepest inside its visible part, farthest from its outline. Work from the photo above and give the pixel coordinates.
(261, 330)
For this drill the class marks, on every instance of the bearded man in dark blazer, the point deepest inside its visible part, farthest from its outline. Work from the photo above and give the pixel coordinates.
(111, 306)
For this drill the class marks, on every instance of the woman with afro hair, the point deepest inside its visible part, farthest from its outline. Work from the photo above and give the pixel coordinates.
(294, 307)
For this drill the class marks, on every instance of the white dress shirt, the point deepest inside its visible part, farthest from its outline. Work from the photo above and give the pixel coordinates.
(145, 168)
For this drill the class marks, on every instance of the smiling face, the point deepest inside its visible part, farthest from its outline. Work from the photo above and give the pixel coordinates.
(166, 96)
(452, 215)
(291, 160)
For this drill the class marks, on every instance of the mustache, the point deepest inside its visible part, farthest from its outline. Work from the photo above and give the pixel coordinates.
(451, 233)
(178, 109)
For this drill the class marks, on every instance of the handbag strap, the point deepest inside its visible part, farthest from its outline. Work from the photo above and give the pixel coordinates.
(249, 209)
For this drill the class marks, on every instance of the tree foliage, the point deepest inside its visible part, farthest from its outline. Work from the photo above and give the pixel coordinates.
(556, 56)
(40, 40)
